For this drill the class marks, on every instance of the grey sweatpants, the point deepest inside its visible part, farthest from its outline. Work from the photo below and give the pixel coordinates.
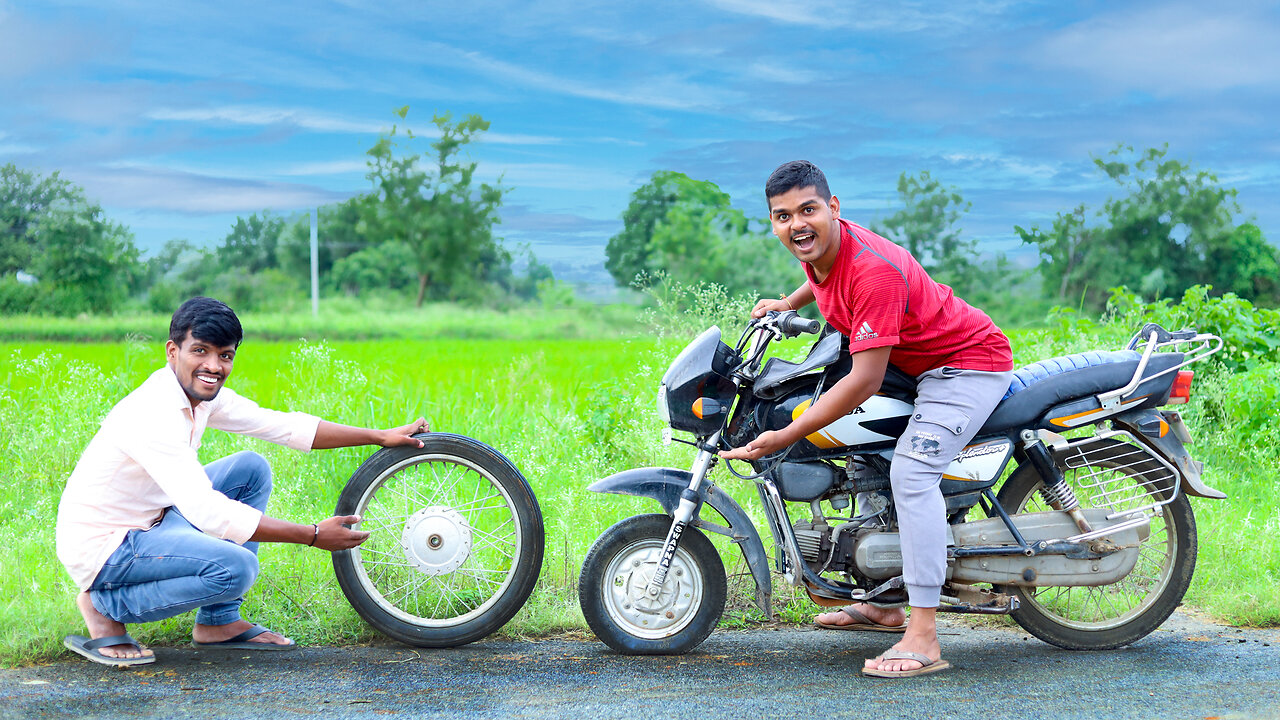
(951, 405)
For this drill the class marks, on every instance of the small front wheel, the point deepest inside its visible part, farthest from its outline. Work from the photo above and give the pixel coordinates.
(613, 588)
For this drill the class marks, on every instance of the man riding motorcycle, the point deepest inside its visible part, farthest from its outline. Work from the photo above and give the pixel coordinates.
(891, 311)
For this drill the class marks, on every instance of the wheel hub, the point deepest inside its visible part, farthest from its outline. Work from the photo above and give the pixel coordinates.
(630, 598)
(436, 540)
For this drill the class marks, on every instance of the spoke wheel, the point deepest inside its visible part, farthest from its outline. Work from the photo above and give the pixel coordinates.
(455, 541)
(1110, 616)
(613, 588)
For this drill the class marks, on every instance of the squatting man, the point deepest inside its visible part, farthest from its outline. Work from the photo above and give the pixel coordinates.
(147, 532)
(877, 295)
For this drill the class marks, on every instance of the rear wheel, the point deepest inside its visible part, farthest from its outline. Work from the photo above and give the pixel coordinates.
(615, 576)
(455, 541)
(1110, 616)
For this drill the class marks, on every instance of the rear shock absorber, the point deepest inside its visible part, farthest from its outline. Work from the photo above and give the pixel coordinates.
(1057, 493)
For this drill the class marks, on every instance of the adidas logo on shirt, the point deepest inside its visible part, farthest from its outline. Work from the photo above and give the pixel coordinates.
(865, 333)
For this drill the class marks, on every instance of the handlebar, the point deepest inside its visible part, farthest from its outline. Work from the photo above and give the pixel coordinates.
(1162, 335)
(791, 324)
(761, 331)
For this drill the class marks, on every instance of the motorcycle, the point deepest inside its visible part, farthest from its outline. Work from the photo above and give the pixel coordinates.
(455, 541)
(1089, 542)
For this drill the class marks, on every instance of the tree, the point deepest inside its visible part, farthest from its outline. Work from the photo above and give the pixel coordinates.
(927, 227)
(686, 230)
(629, 254)
(1170, 229)
(85, 262)
(340, 235)
(26, 200)
(82, 261)
(441, 212)
(250, 247)
(385, 267)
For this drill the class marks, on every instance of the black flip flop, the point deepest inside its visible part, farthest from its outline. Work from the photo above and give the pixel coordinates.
(92, 649)
(241, 642)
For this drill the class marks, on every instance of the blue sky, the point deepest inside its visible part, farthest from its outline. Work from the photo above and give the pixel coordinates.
(180, 116)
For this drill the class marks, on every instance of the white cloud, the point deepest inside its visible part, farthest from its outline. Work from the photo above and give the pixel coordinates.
(318, 122)
(557, 176)
(894, 17)
(248, 115)
(154, 188)
(328, 167)
(665, 92)
(17, 149)
(1168, 50)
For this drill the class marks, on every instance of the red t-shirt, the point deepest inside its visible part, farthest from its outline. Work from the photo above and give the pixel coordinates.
(878, 295)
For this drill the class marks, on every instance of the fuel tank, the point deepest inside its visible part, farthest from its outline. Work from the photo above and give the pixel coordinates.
(876, 424)
(872, 429)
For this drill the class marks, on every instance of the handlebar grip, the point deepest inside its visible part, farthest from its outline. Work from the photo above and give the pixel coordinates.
(792, 324)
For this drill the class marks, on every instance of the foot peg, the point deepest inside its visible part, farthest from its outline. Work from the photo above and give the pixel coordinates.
(972, 600)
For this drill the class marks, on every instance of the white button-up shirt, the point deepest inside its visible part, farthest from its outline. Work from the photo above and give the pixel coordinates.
(143, 460)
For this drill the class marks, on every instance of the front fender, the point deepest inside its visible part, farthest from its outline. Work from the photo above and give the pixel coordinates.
(665, 486)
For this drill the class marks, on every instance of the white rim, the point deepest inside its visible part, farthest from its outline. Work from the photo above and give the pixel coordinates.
(471, 518)
(624, 594)
(1113, 605)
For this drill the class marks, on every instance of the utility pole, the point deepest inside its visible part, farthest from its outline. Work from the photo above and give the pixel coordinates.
(315, 263)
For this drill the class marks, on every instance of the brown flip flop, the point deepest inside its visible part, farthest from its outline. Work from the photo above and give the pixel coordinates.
(926, 665)
(860, 623)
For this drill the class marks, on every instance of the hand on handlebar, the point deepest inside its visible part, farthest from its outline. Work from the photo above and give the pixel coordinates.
(767, 305)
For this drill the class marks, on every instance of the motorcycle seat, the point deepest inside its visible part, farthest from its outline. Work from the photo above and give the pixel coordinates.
(1029, 375)
(1040, 386)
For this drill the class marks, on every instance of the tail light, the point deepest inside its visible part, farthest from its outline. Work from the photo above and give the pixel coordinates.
(1181, 392)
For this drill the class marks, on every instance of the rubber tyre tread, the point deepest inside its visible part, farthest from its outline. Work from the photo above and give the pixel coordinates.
(592, 580)
(1044, 627)
(532, 543)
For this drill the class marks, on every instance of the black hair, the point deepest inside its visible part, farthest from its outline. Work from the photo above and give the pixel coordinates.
(796, 174)
(208, 320)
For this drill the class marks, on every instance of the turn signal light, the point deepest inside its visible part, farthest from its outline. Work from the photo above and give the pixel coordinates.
(704, 407)
(1181, 392)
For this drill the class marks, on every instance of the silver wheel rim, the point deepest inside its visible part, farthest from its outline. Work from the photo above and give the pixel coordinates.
(632, 609)
(443, 541)
(1110, 606)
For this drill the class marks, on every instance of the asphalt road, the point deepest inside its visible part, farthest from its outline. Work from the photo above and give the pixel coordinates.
(1187, 669)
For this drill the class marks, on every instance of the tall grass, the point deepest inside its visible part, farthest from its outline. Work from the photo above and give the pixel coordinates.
(566, 412)
(341, 319)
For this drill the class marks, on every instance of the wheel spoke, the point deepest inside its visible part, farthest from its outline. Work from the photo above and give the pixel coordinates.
(478, 507)
(1119, 477)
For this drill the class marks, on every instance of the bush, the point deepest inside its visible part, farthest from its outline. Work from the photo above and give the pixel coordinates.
(16, 297)
(270, 289)
(389, 266)
(1248, 332)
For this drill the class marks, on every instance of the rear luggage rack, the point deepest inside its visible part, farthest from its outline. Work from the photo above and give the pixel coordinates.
(1159, 485)
(1157, 338)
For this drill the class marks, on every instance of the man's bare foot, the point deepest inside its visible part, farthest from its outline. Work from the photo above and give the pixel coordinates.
(222, 633)
(891, 617)
(101, 626)
(921, 637)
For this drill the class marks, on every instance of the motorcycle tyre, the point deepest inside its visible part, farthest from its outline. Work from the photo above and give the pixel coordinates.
(1022, 484)
(528, 562)
(594, 578)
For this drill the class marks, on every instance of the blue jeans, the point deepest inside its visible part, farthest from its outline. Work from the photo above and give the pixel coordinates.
(173, 567)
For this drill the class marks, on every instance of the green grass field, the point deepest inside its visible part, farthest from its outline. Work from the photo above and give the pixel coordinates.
(565, 411)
